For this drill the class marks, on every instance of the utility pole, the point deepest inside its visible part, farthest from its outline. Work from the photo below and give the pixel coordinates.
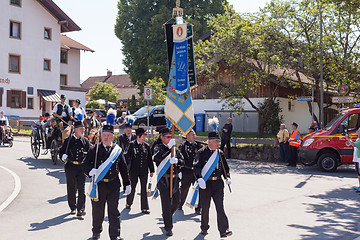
(321, 110)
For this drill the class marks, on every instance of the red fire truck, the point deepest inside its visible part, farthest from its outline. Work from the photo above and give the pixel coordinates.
(328, 147)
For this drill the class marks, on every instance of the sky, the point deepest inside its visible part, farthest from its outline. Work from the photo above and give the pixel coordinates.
(97, 19)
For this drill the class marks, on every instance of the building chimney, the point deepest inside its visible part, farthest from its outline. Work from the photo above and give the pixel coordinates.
(109, 73)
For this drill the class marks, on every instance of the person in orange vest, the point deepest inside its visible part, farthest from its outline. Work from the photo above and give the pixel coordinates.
(294, 144)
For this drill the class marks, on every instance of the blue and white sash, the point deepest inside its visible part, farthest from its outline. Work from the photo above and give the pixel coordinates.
(160, 171)
(101, 172)
(193, 197)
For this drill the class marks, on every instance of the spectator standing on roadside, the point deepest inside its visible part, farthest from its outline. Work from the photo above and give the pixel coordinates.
(294, 142)
(225, 137)
(122, 123)
(356, 154)
(315, 125)
(283, 138)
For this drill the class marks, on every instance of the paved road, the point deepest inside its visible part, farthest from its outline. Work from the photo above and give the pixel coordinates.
(269, 201)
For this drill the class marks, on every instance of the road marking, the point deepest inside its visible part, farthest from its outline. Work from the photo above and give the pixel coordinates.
(15, 192)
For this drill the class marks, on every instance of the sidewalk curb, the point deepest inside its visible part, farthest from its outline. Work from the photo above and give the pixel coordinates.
(15, 192)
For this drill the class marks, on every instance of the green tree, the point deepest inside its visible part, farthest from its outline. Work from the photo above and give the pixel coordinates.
(104, 91)
(139, 26)
(94, 104)
(159, 92)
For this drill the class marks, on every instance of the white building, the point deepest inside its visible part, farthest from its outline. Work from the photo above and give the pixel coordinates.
(37, 63)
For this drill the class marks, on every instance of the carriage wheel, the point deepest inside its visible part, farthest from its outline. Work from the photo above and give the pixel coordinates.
(54, 152)
(35, 145)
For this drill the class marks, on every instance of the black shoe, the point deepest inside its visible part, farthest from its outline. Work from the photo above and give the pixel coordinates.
(204, 232)
(168, 233)
(96, 236)
(81, 213)
(145, 211)
(73, 212)
(118, 238)
(127, 206)
(226, 234)
(198, 211)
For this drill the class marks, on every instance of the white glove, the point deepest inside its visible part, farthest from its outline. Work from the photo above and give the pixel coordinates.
(171, 143)
(64, 157)
(202, 183)
(127, 190)
(174, 160)
(228, 181)
(93, 172)
(180, 175)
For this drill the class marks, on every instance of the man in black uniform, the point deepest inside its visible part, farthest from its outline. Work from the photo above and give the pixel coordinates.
(188, 149)
(109, 186)
(168, 205)
(139, 160)
(77, 147)
(213, 187)
(226, 136)
(125, 139)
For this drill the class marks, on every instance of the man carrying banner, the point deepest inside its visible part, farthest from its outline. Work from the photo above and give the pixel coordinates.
(210, 167)
(139, 161)
(188, 149)
(73, 151)
(103, 163)
(163, 160)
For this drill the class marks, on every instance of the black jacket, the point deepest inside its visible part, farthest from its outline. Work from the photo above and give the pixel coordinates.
(189, 150)
(161, 151)
(123, 141)
(226, 135)
(119, 166)
(139, 158)
(203, 156)
(77, 150)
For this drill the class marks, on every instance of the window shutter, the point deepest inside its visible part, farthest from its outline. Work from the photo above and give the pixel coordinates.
(8, 99)
(23, 99)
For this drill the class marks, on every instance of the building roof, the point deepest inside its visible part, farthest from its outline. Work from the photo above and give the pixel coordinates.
(122, 82)
(67, 24)
(68, 43)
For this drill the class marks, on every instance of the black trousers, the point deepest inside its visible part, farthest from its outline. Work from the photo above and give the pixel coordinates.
(284, 152)
(143, 181)
(293, 155)
(75, 182)
(108, 193)
(214, 190)
(228, 147)
(168, 206)
(187, 179)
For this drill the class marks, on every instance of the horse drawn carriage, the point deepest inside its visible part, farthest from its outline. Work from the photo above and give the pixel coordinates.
(49, 137)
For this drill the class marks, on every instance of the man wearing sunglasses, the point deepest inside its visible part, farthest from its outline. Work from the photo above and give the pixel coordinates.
(161, 152)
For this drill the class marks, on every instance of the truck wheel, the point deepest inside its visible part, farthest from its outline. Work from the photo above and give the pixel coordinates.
(328, 162)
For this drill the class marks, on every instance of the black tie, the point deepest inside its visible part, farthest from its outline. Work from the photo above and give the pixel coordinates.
(108, 149)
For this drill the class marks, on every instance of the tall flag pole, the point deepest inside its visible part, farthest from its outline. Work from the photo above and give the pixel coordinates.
(178, 105)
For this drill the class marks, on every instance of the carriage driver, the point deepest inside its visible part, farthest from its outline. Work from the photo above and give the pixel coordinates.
(62, 111)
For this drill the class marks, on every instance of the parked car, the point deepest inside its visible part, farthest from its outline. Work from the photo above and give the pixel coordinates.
(156, 117)
(328, 147)
(100, 113)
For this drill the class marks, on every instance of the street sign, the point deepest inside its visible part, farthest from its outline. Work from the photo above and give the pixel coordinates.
(342, 99)
(305, 99)
(148, 92)
(343, 89)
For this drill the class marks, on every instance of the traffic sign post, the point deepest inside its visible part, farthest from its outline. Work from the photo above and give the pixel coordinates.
(342, 99)
(148, 92)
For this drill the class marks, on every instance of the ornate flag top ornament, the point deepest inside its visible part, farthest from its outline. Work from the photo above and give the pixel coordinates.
(177, 12)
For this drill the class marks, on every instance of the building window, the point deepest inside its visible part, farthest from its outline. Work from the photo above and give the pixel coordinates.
(63, 57)
(15, 29)
(14, 63)
(16, 2)
(47, 33)
(63, 79)
(30, 90)
(14, 99)
(30, 103)
(47, 64)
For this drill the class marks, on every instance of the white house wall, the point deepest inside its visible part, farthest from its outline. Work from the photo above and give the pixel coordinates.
(33, 49)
